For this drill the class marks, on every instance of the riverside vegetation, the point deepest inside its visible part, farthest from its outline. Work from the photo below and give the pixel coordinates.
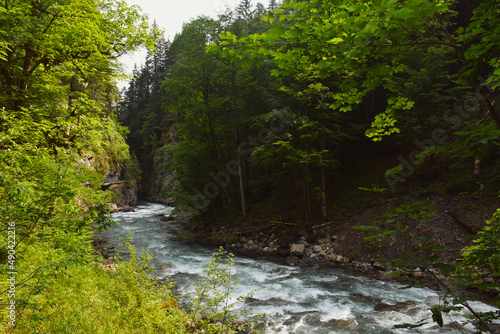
(277, 114)
(58, 138)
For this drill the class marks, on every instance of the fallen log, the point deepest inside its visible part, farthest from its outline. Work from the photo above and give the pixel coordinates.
(467, 225)
(278, 222)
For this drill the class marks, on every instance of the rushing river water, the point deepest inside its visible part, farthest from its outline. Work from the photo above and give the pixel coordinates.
(298, 300)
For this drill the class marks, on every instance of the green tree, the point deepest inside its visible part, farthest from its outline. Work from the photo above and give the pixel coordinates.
(214, 100)
(362, 46)
(58, 135)
(140, 108)
(49, 41)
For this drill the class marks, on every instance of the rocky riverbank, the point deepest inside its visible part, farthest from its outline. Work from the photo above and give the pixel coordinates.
(320, 250)
(314, 249)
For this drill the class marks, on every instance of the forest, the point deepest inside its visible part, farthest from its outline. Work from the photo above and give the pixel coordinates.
(292, 118)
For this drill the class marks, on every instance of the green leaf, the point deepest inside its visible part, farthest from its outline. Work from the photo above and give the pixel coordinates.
(364, 227)
(444, 268)
(437, 316)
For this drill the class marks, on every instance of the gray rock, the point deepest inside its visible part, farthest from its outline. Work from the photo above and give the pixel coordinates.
(486, 272)
(127, 208)
(324, 240)
(317, 249)
(400, 306)
(303, 242)
(297, 249)
(489, 280)
(383, 307)
(385, 276)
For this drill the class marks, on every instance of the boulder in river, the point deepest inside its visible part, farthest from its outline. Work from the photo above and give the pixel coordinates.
(400, 306)
(405, 305)
(127, 208)
(384, 307)
(342, 322)
(365, 299)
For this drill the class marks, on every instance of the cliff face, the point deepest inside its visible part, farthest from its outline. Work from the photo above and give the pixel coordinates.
(126, 195)
(159, 180)
(162, 181)
(125, 191)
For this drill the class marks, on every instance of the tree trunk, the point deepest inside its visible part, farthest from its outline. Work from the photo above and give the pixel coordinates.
(238, 153)
(323, 183)
(323, 192)
(242, 190)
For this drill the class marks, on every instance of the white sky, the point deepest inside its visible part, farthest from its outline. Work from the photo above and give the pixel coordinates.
(170, 16)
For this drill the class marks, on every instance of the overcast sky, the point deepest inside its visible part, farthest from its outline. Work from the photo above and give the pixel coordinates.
(171, 14)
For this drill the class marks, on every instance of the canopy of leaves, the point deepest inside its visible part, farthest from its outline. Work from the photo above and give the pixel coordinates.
(58, 137)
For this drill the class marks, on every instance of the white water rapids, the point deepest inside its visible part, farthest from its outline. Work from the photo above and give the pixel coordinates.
(298, 300)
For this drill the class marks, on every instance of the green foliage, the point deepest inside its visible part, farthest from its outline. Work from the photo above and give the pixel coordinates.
(437, 311)
(474, 140)
(81, 295)
(483, 33)
(58, 138)
(68, 42)
(418, 250)
(214, 298)
(212, 101)
(367, 46)
(359, 43)
(484, 252)
(52, 201)
(40, 191)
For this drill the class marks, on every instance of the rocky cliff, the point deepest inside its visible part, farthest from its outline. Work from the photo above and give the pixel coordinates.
(159, 179)
(125, 191)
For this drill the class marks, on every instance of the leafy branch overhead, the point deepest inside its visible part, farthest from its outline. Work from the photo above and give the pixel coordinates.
(50, 40)
(362, 45)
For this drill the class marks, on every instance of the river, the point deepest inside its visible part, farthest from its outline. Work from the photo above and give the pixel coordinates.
(301, 301)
